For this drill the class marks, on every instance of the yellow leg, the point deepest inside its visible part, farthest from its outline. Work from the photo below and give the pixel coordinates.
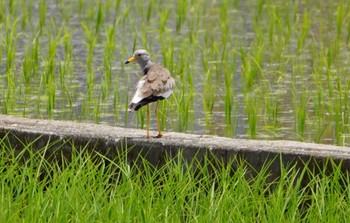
(147, 120)
(158, 124)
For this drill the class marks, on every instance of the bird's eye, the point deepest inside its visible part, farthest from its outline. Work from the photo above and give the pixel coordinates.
(139, 54)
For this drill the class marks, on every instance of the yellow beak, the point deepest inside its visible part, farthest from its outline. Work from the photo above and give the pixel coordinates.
(131, 59)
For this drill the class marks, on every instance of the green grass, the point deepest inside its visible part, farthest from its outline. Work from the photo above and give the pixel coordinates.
(64, 60)
(92, 188)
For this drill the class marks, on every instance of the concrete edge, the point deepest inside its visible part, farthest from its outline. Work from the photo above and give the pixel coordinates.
(107, 139)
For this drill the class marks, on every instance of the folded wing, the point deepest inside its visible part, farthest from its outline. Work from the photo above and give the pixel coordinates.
(156, 85)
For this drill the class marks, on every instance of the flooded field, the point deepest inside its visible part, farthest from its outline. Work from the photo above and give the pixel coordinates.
(244, 69)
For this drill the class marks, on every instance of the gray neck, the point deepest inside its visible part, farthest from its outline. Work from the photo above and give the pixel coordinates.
(145, 65)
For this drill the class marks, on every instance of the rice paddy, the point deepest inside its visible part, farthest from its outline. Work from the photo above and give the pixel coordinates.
(245, 69)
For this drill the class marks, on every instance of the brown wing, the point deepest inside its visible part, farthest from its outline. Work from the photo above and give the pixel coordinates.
(157, 81)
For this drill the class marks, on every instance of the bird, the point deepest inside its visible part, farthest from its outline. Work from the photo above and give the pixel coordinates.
(155, 85)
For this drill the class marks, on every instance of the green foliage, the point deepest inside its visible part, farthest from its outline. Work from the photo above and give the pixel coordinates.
(93, 188)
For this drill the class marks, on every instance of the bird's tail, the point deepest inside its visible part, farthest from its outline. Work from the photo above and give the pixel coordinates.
(134, 107)
(143, 102)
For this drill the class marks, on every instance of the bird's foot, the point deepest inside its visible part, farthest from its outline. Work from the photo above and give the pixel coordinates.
(158, 136)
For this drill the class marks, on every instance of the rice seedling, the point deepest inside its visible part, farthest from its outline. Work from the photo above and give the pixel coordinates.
(50, 62)
(10, 47)
(42, 14)
(91, 40)
(230, 81)
(272, 112)
(304, 29)
(251, 107)
(126, 113)
(340, 21)
(10, 42)
(149, 10)
(164, 16)
(184, 96)
(2, 11)
(231, 48)
(107, 61)
(27, 66)
(320, 122)
(99, 18)
(64, 69)
(209, 87)
(252, 65)
(181, 13)
(183, 103)
(117, 106)
(301, 113)
(35, 52)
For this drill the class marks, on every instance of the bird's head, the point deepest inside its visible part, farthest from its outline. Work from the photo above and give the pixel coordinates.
(141, 56)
